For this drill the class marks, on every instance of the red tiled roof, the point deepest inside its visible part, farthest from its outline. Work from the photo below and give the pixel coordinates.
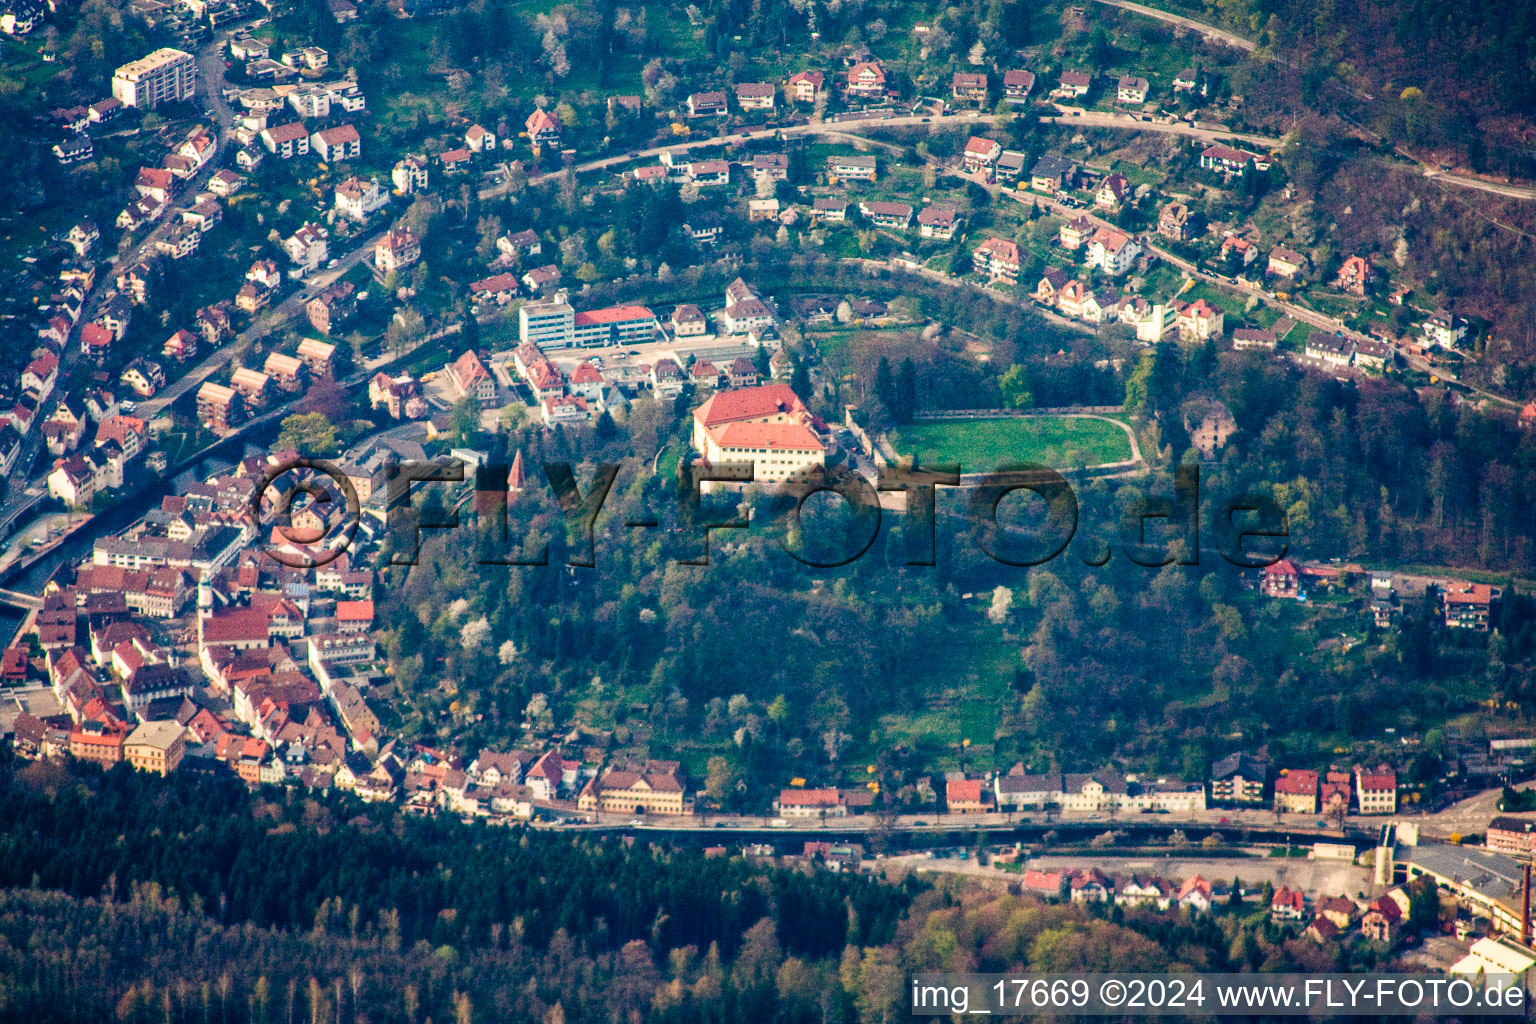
(963, 791)
(613, 314)
(791, 436)
(748, 404)
(809, 798)
(354, 611)
(1301, 781)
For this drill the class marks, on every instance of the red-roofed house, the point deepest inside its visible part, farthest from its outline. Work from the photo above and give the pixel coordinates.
(471, 377)
(805, 86)
(543, 128)
(354, 616)
(981, 154)
(998, 258)
(1355, 275)
(1282, 579)
(339, 143)
(967, 796)
(1287, 905)
(866, 80)
(1376, 789)
(1296, 791)
(810, 803)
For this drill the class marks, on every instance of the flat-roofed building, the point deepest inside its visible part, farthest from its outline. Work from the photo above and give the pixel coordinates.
(167, 75)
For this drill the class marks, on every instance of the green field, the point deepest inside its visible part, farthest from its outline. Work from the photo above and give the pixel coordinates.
(981, 445)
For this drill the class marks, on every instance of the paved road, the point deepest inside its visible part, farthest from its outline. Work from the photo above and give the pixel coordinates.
(1109, 119)
(1208, 31)
(272, 319)
(1092, 119)
(13, 492)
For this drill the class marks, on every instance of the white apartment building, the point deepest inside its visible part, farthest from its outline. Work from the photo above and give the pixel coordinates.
(166, 76)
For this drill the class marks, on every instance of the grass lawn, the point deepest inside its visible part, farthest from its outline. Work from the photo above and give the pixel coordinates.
(979, 445)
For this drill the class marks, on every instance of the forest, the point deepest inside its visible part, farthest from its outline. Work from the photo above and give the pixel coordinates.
(184, 900)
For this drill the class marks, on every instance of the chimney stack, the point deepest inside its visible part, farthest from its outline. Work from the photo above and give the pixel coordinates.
(1525, 908)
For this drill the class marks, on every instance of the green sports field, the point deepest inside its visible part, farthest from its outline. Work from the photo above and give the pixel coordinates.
(1060, 442)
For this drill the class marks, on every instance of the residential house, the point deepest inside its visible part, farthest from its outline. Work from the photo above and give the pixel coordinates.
(829, 210)
(396, 251)
(1335, 793)
(1286, 263)
(938, 221)
(1239, 780)
(1052, 174)
(1072, 85)
(410, 174)
(1376, 789)
(1281, 579)
(1288, 904)
(1226, 161)
(866, 80)
(755, 95)
(1114, 252)
(709, 172)
(1296, 791)
(1175, 222)
(1469, 605)
(1017, 85)
(895, 216)
(143, 377)
(688, 321)
(336, 144)
(357, 197)
(1074, 233)
(1131, 89)
(1195, 895)
(969, 87)
(1009, 167)
(810, 803)
(998, 259)
(307, 248)
(1192, 80)
(1198, 320)
(1048, 288)
(455, 161)
(851, 168)
(498, 289)
(1112, 193)
(805, 86)
(770, 167)
(1253, 338)
(1385, 915)
(1445, 329)
(479, 139)
(705, 104)
(981, 154)
(470, 376)
(286, 141)
(1238, 250)
(967, 796)
(543, 128)
(332, 309)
